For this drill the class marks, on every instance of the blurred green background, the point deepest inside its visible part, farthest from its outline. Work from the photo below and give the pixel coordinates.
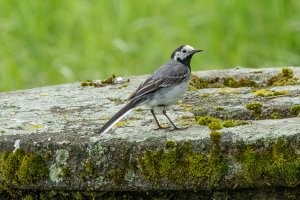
(59, 41)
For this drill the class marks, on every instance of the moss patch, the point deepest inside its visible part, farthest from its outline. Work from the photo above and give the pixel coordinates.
(256, 108)
(217, 163)
(179, 164)
(122, 123)
(231, 82)
(186, 107)
(219, 108)
(116, 100)
(32, 169)
(88, 170)
(216, 123)
(123, 170)
(185, 120)
(233, 123)
(295, 109)
(25, 168)
(267, 92)
(275, 114)
(200, 83)
(278, 164)
(285, 77)
(65, 171)
(105, 82)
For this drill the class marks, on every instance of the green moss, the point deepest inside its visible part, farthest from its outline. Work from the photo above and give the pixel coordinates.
(89, 167)
(186, 107)
(10, 163)
(219, 108)
(179, 164)
(87, 83)
(117, 175)
(139, 110)
(122, 170)
(24, 168)
(233, 123)
(286, 163)
(205, 120)
(88, 170)
(170, 144)
(252, 165)
(217, 166)
(216, 123)
(28, 197)
(256, 108)
(108, 81)
(215, 136)
(268, 93)
(275, 114)
(185, 120)
(285, 77)
(91, 83)
(197, 167)
(281, 92)
(65, 171)
(295, 109)
(122, 123)
(32, 169)
(199, 83)
(279, 164)
(231, 82)
(211, 122)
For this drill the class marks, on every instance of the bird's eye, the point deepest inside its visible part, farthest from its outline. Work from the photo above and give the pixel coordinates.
(183, 50)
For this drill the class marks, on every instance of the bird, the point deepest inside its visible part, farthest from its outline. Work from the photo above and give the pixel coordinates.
(162, 89)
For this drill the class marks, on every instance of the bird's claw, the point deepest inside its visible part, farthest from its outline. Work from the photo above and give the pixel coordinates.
(178, 129)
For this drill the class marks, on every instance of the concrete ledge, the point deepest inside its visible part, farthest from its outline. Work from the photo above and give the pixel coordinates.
(48, 139)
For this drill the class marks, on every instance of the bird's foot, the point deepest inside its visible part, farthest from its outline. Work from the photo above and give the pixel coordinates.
(160, 128)
(178, 129)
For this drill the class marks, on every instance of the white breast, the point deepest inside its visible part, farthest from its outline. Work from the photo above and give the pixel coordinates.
(169, 95)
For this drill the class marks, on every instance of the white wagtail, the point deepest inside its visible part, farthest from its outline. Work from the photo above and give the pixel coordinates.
(162, 89)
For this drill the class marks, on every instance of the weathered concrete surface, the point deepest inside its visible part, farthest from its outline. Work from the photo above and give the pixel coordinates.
(58, 123)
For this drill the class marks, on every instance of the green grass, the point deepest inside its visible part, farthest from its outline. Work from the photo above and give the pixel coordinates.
(52, 42)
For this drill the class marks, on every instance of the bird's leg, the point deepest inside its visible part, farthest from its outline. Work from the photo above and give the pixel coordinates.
(175, 127)
(159, 126)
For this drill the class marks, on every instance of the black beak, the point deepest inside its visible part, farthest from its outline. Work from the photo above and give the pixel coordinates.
(196, 51)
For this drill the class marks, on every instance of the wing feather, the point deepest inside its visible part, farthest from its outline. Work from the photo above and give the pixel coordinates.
(152, 84)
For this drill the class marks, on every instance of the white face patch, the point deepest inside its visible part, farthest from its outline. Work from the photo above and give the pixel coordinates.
(184, 52)
(188, 48)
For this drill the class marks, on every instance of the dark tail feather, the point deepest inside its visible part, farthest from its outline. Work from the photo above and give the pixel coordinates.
(120, 114)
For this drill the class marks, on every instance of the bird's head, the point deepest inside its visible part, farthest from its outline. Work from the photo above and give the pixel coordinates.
(184, 54)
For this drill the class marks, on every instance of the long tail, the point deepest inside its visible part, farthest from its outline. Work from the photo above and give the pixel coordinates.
(120, 114)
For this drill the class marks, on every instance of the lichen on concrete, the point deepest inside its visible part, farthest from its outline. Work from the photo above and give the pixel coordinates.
(57, 171)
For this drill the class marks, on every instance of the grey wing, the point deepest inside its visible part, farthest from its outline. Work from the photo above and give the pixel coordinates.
(155, 82)
(141, 87)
